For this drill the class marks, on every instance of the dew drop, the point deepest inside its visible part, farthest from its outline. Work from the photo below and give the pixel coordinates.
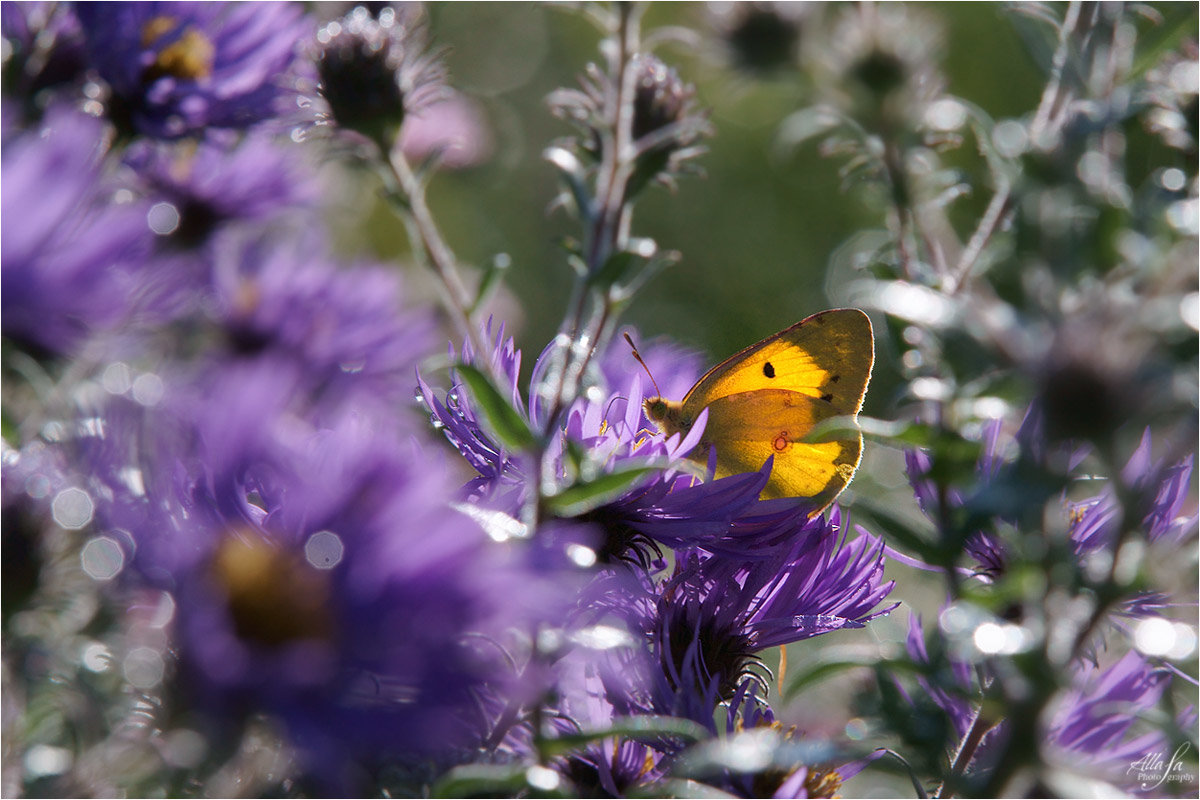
(102, 558)
(324, 550)
(144, 667)
(72, 508)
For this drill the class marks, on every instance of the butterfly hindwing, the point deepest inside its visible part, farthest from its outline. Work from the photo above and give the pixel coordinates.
(748, 427)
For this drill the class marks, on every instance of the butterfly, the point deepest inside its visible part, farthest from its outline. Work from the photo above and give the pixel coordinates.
(764, 401)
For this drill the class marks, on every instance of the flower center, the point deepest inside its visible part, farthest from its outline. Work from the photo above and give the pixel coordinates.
(275, 598)
(188, 57)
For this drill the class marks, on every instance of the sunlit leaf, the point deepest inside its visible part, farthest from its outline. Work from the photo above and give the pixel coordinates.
(501, 419)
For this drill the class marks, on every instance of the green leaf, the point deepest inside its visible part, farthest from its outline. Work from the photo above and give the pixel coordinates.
(640, 728)
(1179, 22)
(502, 420)
(619, 264)
(574, 174)
(679, 787)
(829, 667)
(800, 126)
(585, 495)
(899, 533)
(753, 751)
(612, 270)
(492, 780)
(492, 273)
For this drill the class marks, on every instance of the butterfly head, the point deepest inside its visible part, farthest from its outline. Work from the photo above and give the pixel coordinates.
(666, 414)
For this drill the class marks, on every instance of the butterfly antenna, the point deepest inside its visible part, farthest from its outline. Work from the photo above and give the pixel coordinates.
(638, 356)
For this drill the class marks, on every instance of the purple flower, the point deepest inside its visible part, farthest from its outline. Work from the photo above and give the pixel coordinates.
(174, 69)
(953, 693)
(453, 127)
(457, 419)
(672, 507)
(1091, 729)
(319, 576)
(1163, 490)
(1088, 729)
(716, 613)
(199, 190)
(989, 552)
(795, 768)
(73, 251)
(344, 329)
(595, 687)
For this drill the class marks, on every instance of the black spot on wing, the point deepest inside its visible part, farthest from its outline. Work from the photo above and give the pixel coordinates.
(769, 370)
(828, 398)
(835, 378)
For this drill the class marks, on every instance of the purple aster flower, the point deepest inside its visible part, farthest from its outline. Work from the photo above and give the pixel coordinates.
(1163, 489)
(595, 687)
(457, 419)
(716, 613)
(954, 691)
(174, 69)
(198, 190)
(73, 251)
(1092, 728)
(345, 329)
(319, 576)
(672, 507)
(1089, 729)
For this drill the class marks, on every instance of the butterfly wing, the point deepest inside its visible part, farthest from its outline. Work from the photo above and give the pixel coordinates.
(766, 399)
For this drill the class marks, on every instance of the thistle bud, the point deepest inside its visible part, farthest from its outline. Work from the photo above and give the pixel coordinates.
(761, 38)
(373, 72)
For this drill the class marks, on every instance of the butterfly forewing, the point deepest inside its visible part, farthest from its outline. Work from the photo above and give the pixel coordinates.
(820, 355)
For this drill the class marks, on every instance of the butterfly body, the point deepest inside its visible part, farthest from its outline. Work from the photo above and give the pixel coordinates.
(766, 399)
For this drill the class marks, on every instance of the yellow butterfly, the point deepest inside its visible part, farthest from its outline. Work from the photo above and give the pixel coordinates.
(766, 399)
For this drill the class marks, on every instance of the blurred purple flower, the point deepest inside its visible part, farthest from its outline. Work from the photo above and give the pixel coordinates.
(988, 551)
(953, 693)
(44, 52)
(453, 127)
(594, 687)
(198, 190)
(320, 576)
(1163, 490)
(345, 329)
(1088, 729)
(74, 252)
(174, 69)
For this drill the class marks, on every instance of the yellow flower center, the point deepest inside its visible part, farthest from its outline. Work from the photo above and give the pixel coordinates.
(275, 598)
(189, 57)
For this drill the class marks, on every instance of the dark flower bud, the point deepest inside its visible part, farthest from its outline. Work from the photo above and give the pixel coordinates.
(661, 98)
(761, 37)
(372, 72)
(884, 60)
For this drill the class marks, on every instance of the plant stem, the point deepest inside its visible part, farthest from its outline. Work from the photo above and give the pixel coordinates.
(433, 248)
